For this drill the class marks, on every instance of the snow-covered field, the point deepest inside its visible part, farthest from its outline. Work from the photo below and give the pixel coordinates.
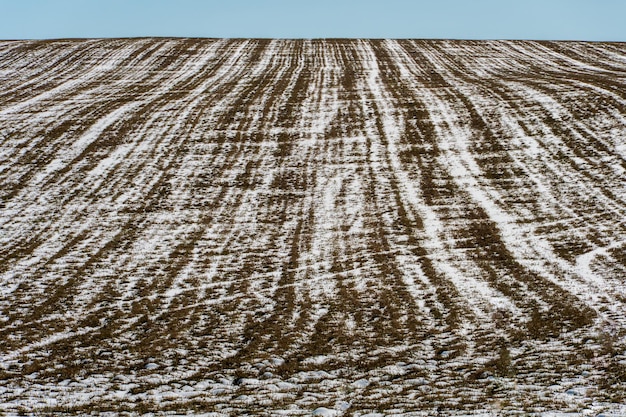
(324, 227)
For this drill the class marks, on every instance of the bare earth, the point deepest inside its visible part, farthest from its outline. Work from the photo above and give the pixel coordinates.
(313, 227)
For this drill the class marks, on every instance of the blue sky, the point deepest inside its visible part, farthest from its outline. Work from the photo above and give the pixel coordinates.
(597, 20)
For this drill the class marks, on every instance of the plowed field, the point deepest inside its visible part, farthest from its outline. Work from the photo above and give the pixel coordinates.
(328, 227)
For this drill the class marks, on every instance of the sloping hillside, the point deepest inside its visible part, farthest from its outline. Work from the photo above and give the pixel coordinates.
(250, 226)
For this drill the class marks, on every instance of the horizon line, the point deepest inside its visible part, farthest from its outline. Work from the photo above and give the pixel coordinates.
(69, 38)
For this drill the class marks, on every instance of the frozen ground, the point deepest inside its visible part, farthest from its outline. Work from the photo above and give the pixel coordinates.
(325, 227)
